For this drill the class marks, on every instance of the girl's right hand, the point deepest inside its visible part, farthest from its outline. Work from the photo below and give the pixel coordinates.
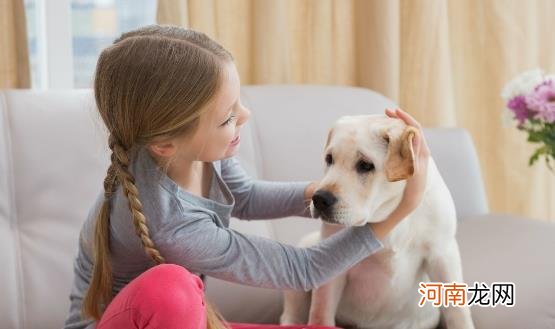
(416, 184)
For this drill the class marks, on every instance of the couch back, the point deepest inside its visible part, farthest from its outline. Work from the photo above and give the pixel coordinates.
(53, 158)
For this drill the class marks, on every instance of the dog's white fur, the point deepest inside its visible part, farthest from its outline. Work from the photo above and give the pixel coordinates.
(382, 290)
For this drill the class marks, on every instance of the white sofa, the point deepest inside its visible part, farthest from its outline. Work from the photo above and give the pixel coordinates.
(53, 159)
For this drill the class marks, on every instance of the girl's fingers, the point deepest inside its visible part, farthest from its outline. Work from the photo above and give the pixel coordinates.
(390, 113)
(400, 114)
(407, 118)
(416, 143)
(416, 150)
(419, 144)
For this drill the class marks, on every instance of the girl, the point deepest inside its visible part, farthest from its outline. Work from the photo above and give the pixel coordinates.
(169, 98)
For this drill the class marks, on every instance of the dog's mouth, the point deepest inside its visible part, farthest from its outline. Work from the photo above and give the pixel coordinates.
(329, 220)
(324, 217)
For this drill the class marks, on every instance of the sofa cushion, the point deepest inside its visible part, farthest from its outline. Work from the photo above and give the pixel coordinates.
(58, 166)
(503, 248)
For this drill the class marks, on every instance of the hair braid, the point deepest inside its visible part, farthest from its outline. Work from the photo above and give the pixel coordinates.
(121, 164)
(99, 294)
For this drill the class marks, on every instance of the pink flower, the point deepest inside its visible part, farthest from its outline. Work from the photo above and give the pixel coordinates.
(518, 106)
(542, 101)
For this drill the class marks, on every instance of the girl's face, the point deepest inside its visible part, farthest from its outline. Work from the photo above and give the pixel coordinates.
(218, 133)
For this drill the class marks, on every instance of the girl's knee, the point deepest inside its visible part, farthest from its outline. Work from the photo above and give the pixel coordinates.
(165, 295)
(169, 292)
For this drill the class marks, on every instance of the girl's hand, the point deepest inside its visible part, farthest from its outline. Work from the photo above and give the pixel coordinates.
(309, 191)
(414, 189)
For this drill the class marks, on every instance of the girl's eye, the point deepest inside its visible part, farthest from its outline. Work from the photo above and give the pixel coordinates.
(228, 121)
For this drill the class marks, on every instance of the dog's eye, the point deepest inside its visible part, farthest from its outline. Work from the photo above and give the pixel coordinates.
(329, 159)
(364, 167)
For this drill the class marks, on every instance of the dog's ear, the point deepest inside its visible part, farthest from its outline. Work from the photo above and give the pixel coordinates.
(399, 161)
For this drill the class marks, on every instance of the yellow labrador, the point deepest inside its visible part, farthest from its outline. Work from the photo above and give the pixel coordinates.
(367, 160)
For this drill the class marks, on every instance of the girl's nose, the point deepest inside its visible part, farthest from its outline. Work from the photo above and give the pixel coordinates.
(243, 115)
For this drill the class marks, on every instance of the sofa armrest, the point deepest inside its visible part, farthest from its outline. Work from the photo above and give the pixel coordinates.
(455, 156)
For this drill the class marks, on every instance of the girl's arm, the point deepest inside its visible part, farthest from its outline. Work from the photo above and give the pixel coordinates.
(198, 244)
(257, 199)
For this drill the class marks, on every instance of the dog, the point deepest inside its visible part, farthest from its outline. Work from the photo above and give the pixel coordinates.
(368, 159)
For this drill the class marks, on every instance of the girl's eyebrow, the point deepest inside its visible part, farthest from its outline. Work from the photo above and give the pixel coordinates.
(231, 107)
(229, 111)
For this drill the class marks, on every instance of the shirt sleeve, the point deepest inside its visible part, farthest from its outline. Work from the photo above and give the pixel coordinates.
(201, 246)
(256, 199)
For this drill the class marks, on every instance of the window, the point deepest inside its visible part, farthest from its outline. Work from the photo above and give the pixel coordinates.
(66, 36)
(96, 23)
(32, 39)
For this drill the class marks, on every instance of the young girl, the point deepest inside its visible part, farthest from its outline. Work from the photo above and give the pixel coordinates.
(169, 98)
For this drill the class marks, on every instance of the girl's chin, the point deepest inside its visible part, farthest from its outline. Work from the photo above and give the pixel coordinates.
(232, 150)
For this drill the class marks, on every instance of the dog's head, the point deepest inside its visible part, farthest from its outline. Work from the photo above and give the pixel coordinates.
(367, 160)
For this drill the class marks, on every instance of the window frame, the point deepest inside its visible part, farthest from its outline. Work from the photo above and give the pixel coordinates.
(54, 44)
(54, 59)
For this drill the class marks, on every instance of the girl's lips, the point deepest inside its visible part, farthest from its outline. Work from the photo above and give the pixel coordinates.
(236, 140)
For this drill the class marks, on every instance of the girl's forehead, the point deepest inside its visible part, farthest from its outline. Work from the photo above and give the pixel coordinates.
(226, 96)
(229, 90)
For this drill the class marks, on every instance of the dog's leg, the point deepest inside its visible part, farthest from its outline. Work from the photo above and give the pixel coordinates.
(296, 305)
(443, 264)
(325, 298)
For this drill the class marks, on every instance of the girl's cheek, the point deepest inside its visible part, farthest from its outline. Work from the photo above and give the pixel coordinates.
(224, 139)
(230, 133)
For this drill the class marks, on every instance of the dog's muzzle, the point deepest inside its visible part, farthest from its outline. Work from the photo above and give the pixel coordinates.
(323, 201)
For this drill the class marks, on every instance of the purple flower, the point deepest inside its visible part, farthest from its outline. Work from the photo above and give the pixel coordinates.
(544, 83)
(518, 106)
(542, 101)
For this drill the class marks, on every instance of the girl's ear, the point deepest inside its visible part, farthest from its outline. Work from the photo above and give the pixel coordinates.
(163, 149)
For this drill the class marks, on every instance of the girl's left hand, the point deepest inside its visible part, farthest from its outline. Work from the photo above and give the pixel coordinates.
(309, 191)
(416, 184)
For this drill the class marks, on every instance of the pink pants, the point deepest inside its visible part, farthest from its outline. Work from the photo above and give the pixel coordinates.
(166, 296)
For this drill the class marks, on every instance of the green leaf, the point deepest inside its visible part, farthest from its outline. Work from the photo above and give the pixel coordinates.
(533, 158)
(536, 155)
(535, 136)
(548, 163)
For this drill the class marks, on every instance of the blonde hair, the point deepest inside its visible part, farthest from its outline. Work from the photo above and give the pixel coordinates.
(153, 82)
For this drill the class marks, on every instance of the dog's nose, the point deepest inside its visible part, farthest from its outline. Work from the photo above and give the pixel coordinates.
(323, 200)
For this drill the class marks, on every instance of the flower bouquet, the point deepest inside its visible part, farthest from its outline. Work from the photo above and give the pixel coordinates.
(530, 97)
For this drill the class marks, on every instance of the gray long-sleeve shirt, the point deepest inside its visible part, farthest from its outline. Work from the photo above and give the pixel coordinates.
(194, 232)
